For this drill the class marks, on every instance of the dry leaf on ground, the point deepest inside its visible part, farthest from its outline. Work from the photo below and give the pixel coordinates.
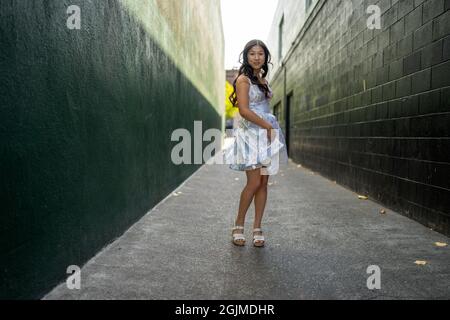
(440, 244)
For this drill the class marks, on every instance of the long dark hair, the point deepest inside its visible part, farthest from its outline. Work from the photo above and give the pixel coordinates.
(247, 69)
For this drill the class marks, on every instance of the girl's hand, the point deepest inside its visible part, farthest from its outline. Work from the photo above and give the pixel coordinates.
(270, 133)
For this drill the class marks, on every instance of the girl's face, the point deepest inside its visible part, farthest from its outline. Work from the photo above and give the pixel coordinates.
(256, 57)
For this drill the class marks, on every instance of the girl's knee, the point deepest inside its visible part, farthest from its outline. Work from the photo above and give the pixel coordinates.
(254, 185)
(263, 185)
(264, 181)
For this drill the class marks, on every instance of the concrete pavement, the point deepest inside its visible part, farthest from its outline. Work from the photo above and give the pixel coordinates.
(320, 241)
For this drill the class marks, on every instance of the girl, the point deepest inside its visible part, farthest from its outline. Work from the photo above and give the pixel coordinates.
(259, 145)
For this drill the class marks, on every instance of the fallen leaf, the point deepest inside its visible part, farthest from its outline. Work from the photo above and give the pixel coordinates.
(362, 197)
(382, 211)
(270, 183)
(420, 262)
(299, 166)
(440, 244)
(236, 179)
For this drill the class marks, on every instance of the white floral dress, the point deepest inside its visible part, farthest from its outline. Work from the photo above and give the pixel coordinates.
(251, 149)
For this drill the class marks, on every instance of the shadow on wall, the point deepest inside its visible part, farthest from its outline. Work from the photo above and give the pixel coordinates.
(85, 131)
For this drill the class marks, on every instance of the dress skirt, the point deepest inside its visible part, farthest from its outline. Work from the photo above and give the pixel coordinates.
(251, 148)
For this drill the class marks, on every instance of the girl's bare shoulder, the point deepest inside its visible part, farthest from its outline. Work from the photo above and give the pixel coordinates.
(242, 79)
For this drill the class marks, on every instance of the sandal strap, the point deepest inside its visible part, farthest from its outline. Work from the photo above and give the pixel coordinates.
(238, 236)
(238, 228)
(258, 238)
(257, 230)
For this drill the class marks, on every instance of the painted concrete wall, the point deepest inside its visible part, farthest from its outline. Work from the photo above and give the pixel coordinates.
(370, 108)
(87, 117)
(293, 14)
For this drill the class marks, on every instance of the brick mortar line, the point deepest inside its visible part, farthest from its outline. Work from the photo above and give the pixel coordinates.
(369, 105)
(387, 156)
(377, 120)
(379, 172)
(390, 138)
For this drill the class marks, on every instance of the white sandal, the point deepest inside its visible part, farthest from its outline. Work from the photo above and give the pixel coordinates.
(258, 240)
(238, 236)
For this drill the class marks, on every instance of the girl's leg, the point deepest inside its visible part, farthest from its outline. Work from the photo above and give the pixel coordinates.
(260, 201)
(253, 183)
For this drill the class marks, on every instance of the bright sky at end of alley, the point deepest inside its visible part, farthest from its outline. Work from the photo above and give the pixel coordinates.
(244, 20)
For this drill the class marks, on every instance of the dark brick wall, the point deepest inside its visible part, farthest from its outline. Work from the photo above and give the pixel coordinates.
(371, 108)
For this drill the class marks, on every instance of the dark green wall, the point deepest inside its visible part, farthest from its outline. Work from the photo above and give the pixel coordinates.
(86, 120)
